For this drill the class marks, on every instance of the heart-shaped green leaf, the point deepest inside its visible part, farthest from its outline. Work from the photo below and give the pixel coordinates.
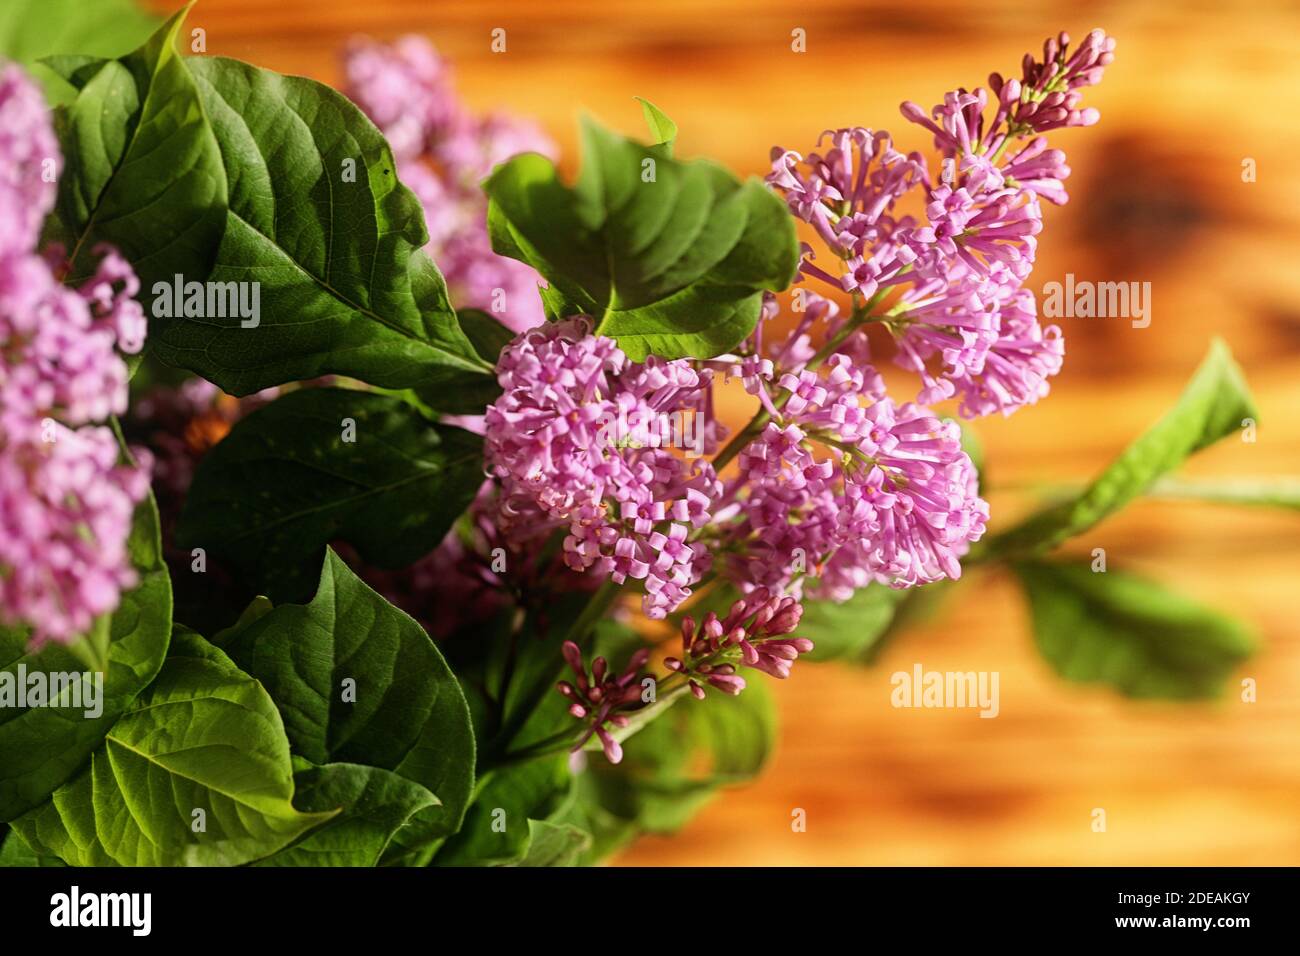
(1119, 629)
(324, 464)
(41, 747)
(142, 169)
(667, 257)
(359, 681)
(372, 803)
(318, 220)
(196, 773)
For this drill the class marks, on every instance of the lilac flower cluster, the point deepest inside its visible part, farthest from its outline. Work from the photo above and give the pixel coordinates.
(950, 287)
(66, 498)
(834, 486)
(891, 497)
(443, 152)
(556, 442)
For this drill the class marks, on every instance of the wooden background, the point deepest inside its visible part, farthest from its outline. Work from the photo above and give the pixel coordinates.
(1159, 197)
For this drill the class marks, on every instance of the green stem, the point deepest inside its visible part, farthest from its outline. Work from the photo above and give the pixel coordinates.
(92, 649)
(596, 607)
(546, 747)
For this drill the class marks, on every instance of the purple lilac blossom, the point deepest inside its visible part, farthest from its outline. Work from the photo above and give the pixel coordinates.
(836, 486)
(573, 437)
(949, 287)
(67, 498)
(443, 152)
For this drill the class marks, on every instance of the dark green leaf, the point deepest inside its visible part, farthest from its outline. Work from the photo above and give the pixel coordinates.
(496, 831)
(203, 736)
(1213, 405)
(1129, 632)
(555, 844)
(675, 266)
(676, 764)
(142, 168)
(285, 482)
(318, 218)
(372, 803)
(488, 335)
(41, 747)
(359, 681)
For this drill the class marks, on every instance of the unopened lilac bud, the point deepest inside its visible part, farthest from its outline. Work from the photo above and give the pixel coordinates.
(613, 750)
(727, 683)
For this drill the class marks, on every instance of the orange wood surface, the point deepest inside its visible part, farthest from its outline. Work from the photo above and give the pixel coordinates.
(1158, 197)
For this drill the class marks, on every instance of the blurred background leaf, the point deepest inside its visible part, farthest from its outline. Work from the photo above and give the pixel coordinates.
(675, 765)
(31, 29)
(1215, 403)
(1129, 632)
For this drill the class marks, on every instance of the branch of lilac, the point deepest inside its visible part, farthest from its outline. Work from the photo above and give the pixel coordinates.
(832, 486)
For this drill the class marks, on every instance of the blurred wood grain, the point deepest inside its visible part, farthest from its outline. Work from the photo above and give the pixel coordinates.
(1158, 196)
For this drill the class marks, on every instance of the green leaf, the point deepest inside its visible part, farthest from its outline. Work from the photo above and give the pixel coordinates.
(608, 831)
(203, 736)
(41, 747)
(142, 169)
(318, 218)
(372, 803)
(677, 763)
(555, 844)
(849, 629)
(359, 681)
(1212, 406)
(675, 266)
(285, 482)
(662, 129)
(33, 29)
(497, 831)
(488, 335)
(1129, 632)
(14, 851)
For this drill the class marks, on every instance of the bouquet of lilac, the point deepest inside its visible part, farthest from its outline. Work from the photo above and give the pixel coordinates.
(443, 522)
